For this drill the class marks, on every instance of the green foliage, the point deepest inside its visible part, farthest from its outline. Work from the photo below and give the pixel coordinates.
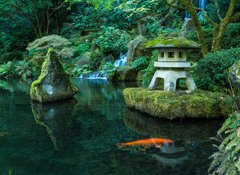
(211, 72)
(95, 60)
(19, 69)
(112, 40)
(226, 161)
(140, 63)
(230, 40)
(145, 76)
(82, 48)
(107, 66)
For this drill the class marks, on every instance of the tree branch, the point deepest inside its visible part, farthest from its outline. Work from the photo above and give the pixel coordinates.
(218, 9)
(57, 8)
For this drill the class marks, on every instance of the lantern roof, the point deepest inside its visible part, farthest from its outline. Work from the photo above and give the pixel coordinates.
(171, 43)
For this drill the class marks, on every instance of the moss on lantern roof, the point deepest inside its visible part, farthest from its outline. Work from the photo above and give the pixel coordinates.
(170, 42)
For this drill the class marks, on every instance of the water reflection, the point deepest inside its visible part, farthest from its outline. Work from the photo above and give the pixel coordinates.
(86, 134)
(184, 130)
(57, 119)
(187, 146)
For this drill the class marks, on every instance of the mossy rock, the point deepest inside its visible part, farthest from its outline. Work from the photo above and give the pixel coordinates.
(173, 105)
(53, 84)
(125, 74)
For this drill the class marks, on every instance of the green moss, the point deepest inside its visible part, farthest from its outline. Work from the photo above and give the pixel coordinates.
(64, 88)
(170, 41)
(172, 105)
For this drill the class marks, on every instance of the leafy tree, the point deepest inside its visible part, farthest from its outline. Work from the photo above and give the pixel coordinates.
(38, 13)
(218, 26)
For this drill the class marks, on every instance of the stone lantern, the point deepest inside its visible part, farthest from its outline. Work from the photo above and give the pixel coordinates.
(172, 63)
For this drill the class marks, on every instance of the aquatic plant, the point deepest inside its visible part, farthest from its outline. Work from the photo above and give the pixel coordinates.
(226, 161)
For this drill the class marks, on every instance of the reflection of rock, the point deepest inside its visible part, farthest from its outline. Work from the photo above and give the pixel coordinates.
(53, 84)
(186, 130)
(57, 118)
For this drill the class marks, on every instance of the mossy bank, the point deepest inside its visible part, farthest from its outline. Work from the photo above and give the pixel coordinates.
(173, 105)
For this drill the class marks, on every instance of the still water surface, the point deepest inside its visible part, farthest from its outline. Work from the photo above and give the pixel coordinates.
(79, 137)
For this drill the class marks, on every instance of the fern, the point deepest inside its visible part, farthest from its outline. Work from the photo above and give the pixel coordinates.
(226, 161)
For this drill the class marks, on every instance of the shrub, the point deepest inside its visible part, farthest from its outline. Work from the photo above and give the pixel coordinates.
(211, 72)
(145, 76)
(95, 60)
(112, 40)
(140, 63)
(82, 48)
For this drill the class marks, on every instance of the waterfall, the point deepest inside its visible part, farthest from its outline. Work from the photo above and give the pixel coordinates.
(99, 75)
(122, 61)
(201, 4)
(103, 74)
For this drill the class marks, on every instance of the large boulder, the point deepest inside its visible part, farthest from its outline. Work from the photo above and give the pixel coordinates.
(133, 50)
(172, 105)
(53, 84)
(124, 74)
(234, 74)
(84, 59)
(187, 28)
(38, 48)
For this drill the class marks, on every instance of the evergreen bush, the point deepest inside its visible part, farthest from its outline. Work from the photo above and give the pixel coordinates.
(211, 72)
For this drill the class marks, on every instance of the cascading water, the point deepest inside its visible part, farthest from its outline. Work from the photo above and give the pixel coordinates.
(102, 74)
(122, 61)
(99, 75)
(201, 4)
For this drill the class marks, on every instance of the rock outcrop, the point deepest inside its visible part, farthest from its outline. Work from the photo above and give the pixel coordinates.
(172, 105)
(187, 28)
(234, 74)
(133, 51)
(53, 84)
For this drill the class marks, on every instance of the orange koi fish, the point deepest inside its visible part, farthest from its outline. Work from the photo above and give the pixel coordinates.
(157, 142)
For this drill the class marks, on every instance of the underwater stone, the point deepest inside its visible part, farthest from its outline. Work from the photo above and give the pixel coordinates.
(173, 105)
(53, 84)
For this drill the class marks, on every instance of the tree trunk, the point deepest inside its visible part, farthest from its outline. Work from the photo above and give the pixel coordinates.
(221, 28)
(198, 26)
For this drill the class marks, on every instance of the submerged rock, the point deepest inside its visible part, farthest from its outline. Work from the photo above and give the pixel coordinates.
(172, 105)
(53, 84)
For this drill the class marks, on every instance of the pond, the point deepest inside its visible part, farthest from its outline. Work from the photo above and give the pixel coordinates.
(80, 136)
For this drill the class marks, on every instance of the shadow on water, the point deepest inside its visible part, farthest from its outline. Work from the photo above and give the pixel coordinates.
(57, 119)
(80, 137)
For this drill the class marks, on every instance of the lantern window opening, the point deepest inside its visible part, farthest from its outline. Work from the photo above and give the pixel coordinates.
(170, 54)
